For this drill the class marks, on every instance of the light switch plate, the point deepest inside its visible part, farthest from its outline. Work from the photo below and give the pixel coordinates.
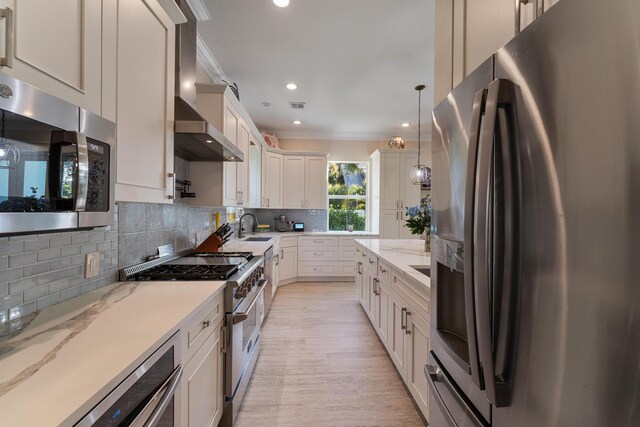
(92, 265)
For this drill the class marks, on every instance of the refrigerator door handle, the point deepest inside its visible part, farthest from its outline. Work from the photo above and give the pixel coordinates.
(479, 102)
(435, 374)
(496, 238)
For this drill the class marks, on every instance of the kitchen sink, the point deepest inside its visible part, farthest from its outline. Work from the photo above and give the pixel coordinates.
(424, 270)
(257, 239)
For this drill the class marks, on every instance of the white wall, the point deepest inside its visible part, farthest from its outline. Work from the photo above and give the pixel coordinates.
(349, 150)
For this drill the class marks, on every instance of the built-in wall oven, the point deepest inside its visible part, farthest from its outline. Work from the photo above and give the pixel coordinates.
(56, 163)
(147, 397)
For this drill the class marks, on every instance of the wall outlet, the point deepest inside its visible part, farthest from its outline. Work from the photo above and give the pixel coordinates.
(92, 265)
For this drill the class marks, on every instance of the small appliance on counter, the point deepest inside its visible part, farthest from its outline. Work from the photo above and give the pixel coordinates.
(282, 223)
(298, 226)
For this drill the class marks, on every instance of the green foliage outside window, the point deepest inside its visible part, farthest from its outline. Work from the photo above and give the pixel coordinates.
(347, 188)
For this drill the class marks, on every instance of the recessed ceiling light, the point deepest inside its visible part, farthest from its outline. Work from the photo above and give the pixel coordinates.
(297, 122)
(209, 141)
(292, 86)
(405, 125)
(281, 3)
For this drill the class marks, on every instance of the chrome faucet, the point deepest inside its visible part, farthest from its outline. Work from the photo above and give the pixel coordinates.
(241, 230)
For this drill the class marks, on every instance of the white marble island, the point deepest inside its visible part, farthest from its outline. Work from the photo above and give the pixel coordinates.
(66, 358)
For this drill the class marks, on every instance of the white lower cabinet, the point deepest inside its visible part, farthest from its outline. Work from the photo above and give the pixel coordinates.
(399, 321)
(288, 263)
(202, 384)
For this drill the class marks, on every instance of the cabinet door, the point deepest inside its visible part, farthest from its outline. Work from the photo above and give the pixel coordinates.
(417, 346)
(293, 182)
(272, 180)
(397, 340)
(366, 290)
(389, 224)
(255, 174)
(409, 192)
(315, 182)
(243, 167)
(230, 169)
(144, 156)
(58, 48)
(389, 184)
(359, 280)
(288, 263)
(489, 25)
(202, 385)
(382, 314)
(372, 306)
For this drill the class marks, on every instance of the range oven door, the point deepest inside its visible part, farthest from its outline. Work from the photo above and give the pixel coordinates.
(147, 397)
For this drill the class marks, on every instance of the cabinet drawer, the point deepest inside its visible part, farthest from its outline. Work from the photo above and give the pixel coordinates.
(288, 241)
(348, 253)
(371, 263)
(202, 324)
(326, 269)
(417, 296)
(384, 272)
(312, 254)
(349, 240)
(318, 241)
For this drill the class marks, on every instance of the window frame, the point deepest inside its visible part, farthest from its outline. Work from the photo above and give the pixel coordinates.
(366, 197)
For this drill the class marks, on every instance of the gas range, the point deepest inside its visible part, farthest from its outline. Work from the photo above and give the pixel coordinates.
(195, 266)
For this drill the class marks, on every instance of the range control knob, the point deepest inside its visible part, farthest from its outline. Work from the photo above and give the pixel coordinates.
(242, 292)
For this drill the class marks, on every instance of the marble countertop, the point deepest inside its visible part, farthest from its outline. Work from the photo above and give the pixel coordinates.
(68, 357)
(401, 254)
(260, 247)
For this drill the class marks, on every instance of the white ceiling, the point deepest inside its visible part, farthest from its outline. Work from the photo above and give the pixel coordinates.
(356, 63)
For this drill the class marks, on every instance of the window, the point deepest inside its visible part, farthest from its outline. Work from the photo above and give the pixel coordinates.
(347, 196)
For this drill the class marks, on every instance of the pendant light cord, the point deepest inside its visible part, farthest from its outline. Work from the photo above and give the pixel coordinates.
(419, 116)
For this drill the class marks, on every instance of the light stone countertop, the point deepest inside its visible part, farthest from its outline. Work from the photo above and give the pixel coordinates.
(258, 248)
(401, 254)
(69, 356)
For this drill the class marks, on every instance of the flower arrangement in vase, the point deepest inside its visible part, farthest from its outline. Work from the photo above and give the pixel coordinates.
(419, 220)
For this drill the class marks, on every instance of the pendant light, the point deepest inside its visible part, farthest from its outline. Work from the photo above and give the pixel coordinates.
(420, 174)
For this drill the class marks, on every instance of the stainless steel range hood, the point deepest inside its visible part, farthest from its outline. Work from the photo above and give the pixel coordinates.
(195, 138)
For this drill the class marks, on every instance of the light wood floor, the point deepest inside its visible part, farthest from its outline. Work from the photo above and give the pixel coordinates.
(323, 365)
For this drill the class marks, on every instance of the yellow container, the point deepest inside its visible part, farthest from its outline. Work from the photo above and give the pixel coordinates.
(217, 220)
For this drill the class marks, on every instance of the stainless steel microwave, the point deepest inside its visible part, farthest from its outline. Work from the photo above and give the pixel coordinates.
(56, 163)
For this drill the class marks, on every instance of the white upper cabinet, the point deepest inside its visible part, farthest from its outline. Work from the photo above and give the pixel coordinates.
(304, 182)
(293, 182)
(57, 46)
(315, 182)
(389, 181)
(490, 24)
(242, 175)
(255, 173)
(272, 180)
(145, 80)
(230, 169)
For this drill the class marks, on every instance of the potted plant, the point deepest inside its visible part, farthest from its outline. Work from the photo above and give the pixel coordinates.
(419, 221)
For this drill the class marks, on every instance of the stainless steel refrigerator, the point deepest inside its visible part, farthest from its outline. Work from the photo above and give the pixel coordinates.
(535, 304)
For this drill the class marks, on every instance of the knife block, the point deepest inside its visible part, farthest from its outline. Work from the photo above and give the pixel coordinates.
(211, 244)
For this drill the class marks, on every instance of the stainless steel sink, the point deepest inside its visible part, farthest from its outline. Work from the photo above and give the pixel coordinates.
(257, 239)
(422, 269)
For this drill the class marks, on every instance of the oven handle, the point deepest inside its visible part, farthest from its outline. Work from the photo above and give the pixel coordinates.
(82, 188)
(242, 316)
(159, 401)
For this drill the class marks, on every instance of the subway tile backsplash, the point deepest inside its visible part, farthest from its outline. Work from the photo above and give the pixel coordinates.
(40, 270)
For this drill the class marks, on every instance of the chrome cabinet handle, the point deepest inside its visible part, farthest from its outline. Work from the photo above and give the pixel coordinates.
(172, 175)
(407, 313)
(370, 262)
(223, 339)
(159, 401)
(382, 269)
(282, 254)
(403, 319)
(7, 14)
(206, 323)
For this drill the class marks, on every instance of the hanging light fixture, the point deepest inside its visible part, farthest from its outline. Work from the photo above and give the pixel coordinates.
(420, 174)
(396, 142)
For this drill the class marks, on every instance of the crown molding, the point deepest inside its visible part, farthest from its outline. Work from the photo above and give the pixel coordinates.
(199, 10)
(208, 61)
(346, 136)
